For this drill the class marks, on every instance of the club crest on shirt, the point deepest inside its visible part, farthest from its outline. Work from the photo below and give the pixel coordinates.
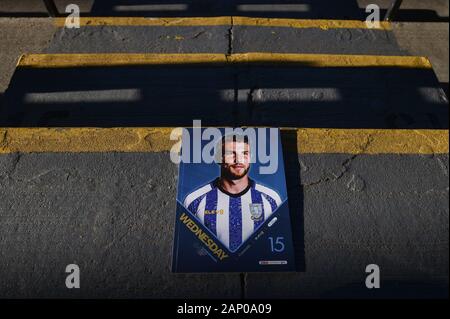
(256, 210)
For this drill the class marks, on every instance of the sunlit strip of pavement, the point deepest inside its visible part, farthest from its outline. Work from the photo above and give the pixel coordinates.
(163, 139)
(225, 20)
(312, 60)
(254, 89)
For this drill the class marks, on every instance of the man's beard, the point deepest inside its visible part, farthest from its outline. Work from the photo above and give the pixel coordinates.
(227, 174)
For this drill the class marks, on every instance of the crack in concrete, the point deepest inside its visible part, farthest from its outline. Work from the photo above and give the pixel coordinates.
(235, 112)
(344, 167)
(7, 176)
(442, 165)
(438, 192)
(71, 173)
(14, 164)
(198, 34)
(230, 37)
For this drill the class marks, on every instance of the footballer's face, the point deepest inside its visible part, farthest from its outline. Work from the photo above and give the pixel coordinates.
(236, 159)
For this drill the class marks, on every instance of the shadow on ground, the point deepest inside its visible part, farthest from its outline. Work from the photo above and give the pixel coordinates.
(295, 196)
(296, 95)
(304, 9)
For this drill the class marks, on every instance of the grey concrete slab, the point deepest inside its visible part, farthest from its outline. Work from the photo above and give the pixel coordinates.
(141, 39)
(426, 39)
(112, 214)
(314, 40)
(375, 209)
(19, 36)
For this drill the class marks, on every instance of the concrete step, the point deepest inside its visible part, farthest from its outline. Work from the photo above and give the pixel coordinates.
(293, 90)
(367, 172)
(223, 35)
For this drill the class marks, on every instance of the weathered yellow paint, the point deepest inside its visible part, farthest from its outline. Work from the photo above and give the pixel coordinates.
(30, 140)
(115, 59)
(372, 141)
(306, 140)
(331, 60)
(307, 23)
(226, 20)
(312, 60)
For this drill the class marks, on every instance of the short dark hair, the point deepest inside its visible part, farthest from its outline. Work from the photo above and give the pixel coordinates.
(229, 138)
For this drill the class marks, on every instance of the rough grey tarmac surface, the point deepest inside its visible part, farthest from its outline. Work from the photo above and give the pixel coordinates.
(141, 39)
(319, 41)
(216, 39)
(113, 215)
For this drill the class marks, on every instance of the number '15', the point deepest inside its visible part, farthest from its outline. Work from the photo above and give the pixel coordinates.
(276, 245)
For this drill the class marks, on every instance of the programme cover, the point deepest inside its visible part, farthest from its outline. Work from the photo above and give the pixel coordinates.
(232, 209)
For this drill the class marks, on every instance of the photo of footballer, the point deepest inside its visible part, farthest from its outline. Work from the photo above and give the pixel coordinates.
(233, 205)
(232, 209)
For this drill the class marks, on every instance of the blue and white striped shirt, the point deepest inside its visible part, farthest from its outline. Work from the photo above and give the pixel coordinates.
(232, 218)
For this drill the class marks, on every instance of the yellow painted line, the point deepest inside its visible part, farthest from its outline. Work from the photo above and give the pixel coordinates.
(306, 140)
(115, 59)
(332, 60)
(307, 23)
(372, 141)
(74, 140)
(226, 20)
(311, 60)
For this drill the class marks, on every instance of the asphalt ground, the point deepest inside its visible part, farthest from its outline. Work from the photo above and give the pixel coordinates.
(112, 214)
